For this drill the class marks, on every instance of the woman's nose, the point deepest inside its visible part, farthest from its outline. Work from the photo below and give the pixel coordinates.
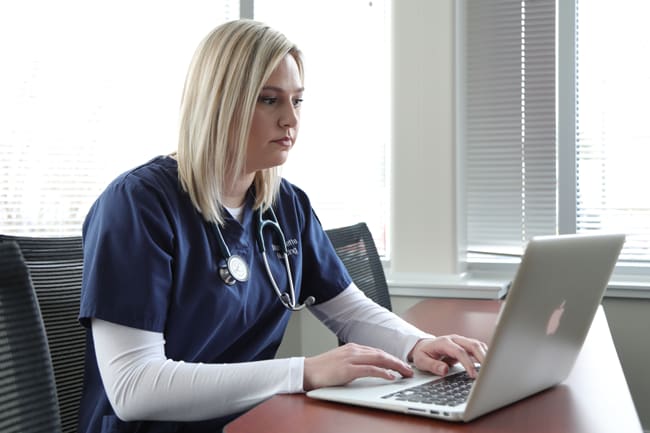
(290, 117)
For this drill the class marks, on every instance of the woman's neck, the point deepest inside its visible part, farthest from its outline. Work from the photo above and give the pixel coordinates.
(235, 194)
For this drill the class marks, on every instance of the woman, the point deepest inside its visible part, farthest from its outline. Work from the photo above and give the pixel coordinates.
(177, 339)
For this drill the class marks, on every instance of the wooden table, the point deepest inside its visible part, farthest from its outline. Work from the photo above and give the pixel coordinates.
(594, 399)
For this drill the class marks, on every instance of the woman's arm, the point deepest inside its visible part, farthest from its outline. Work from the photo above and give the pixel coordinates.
(143, 384)
(355, 318)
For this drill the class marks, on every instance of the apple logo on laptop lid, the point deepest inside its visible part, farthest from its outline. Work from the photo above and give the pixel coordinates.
(554, 320)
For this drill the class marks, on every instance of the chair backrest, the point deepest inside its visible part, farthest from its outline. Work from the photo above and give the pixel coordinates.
(356, 249)
(28, 402)
(55, 266)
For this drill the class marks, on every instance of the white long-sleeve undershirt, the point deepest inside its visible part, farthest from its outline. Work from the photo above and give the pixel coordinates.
(356, 319)
(143, 384)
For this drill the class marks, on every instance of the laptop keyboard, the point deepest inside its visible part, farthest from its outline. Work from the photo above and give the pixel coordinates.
(450, 390)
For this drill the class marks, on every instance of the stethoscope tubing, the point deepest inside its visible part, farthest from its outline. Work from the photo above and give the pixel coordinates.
(230, 275)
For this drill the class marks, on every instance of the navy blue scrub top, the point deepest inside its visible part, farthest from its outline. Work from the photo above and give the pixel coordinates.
(152, 262)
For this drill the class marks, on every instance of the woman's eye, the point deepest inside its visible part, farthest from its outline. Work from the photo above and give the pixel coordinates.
(269, 100)
(297, 102)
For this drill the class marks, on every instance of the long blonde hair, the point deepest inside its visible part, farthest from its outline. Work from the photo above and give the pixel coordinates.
(225, 77)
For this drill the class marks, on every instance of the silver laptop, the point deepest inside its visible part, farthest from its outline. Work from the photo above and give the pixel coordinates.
(545, 319)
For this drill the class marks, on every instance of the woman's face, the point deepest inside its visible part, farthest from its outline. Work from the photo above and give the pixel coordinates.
(276, 118)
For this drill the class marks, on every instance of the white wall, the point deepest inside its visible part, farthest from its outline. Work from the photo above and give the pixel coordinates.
(629, 321)
(422, 227)
(424, 233)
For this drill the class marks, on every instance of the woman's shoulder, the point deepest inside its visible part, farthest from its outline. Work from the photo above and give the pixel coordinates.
(155, 177)
(288, 189)
(150, 184)
(157, 171)
(292, 200)
(149, 194)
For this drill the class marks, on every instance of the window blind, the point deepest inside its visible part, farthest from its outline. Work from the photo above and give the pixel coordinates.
(88, 90)
(508, 123)
(612, 136)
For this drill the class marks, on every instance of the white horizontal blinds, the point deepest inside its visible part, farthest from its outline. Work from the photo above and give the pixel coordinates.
(339, 157)
(612, 135)
(493, 128)
(88, 90)
(509, 123)
(540, 133)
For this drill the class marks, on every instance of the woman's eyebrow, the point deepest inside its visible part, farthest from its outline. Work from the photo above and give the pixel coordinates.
(282, 90)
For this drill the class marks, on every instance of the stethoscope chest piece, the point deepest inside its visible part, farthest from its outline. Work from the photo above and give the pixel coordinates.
(235, 270)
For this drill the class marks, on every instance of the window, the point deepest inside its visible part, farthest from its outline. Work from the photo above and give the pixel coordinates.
(508, 125)
(88, 91)
(553, 140)
(340, 156)
(612, 135)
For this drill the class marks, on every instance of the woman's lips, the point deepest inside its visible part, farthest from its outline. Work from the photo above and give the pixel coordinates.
(284, 141)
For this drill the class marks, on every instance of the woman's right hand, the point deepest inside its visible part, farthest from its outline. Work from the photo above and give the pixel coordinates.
(348, 362)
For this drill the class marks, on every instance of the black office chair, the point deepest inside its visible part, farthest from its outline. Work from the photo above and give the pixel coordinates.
(356, 248)
(55, 266)
(28, 402)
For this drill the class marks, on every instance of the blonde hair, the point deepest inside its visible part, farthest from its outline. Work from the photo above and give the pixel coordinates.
(225, 77)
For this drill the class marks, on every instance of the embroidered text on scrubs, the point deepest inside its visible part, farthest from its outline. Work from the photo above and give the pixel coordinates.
(292, 248)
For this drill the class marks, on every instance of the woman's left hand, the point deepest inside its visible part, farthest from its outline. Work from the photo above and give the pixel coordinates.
(437, 354)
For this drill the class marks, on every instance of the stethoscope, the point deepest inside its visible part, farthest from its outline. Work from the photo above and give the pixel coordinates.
(235, 268)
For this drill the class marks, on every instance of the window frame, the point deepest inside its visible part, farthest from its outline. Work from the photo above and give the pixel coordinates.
(630, 279)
